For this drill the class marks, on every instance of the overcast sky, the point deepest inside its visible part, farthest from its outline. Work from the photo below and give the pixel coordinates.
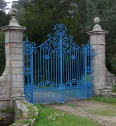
(9, 4)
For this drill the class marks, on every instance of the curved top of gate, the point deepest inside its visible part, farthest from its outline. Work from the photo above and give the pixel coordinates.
(52, 44)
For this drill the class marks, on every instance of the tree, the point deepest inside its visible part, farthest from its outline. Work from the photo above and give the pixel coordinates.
(45, 14)
(2, 52)
(2, 5)
(40, 16)
(21, 10)
(106, 10)
(4, 20)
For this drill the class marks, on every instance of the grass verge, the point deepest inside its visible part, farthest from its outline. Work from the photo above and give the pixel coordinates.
(51, 117)
(103, 112)
(104, 99)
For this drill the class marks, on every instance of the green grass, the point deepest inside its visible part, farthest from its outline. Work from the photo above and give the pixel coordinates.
(114, 88)
(104, 112)
(104, 99)
(51, 117)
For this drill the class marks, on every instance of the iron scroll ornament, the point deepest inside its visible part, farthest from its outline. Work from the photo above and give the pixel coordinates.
(52, 44)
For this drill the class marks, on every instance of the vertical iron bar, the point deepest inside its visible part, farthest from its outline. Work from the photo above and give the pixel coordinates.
(85, 68)
(35, 69)
(76, 67)
(56, 69)
(31, 65)
(38, 66)
(66, 63)
(68, 66)
(60, 60)
(43, 65)
(61, 84)
(48, 69)
(51, 69)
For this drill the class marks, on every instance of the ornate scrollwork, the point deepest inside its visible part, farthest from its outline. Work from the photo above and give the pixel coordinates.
(27, 71)
(28, 95)
(53, 43)
(60, 29)
(27, 47)
(47, 84)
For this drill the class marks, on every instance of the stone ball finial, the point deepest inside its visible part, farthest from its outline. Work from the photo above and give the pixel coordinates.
(13, 21)
(13, 12)
(97, 20)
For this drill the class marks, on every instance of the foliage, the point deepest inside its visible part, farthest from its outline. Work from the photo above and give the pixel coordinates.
(4, 20)
(114, 87)
(52, 117)
(2, 52)
(8, 110)
(25, 118)
(7, 116)
(45, 14)
(104, 99)
(78, 16)
(21, 10)
(105, 9)
(40, 16)
(2, 5)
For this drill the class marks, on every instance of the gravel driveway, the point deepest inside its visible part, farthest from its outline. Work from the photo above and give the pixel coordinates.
(103, 113)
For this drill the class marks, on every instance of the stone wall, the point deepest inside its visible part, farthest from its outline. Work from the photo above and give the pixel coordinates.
(5, 89)
(25, 113)
(110, 79)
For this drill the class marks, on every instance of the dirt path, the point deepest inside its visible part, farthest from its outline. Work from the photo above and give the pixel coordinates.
(102, 113)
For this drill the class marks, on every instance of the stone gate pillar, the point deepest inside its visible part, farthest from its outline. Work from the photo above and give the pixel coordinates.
(12, 79)
(97, 40)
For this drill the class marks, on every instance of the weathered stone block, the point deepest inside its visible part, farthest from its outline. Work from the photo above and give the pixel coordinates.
(17, 64)
(18, 45)
(18, 90)
(17, 71)
(13, 35)
(7, 51)
(4, 104)
(14, 78)
(97, 39)
(20, 78)
(17, 85)
(17, 51)
(16, 57)
(100, 51)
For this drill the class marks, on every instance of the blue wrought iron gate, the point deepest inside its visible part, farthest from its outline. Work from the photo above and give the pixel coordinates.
(58, 70)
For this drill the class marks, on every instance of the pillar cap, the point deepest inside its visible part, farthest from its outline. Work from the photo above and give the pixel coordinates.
(13, 21)
(97, 20)
(12, 28)
(97, 28)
